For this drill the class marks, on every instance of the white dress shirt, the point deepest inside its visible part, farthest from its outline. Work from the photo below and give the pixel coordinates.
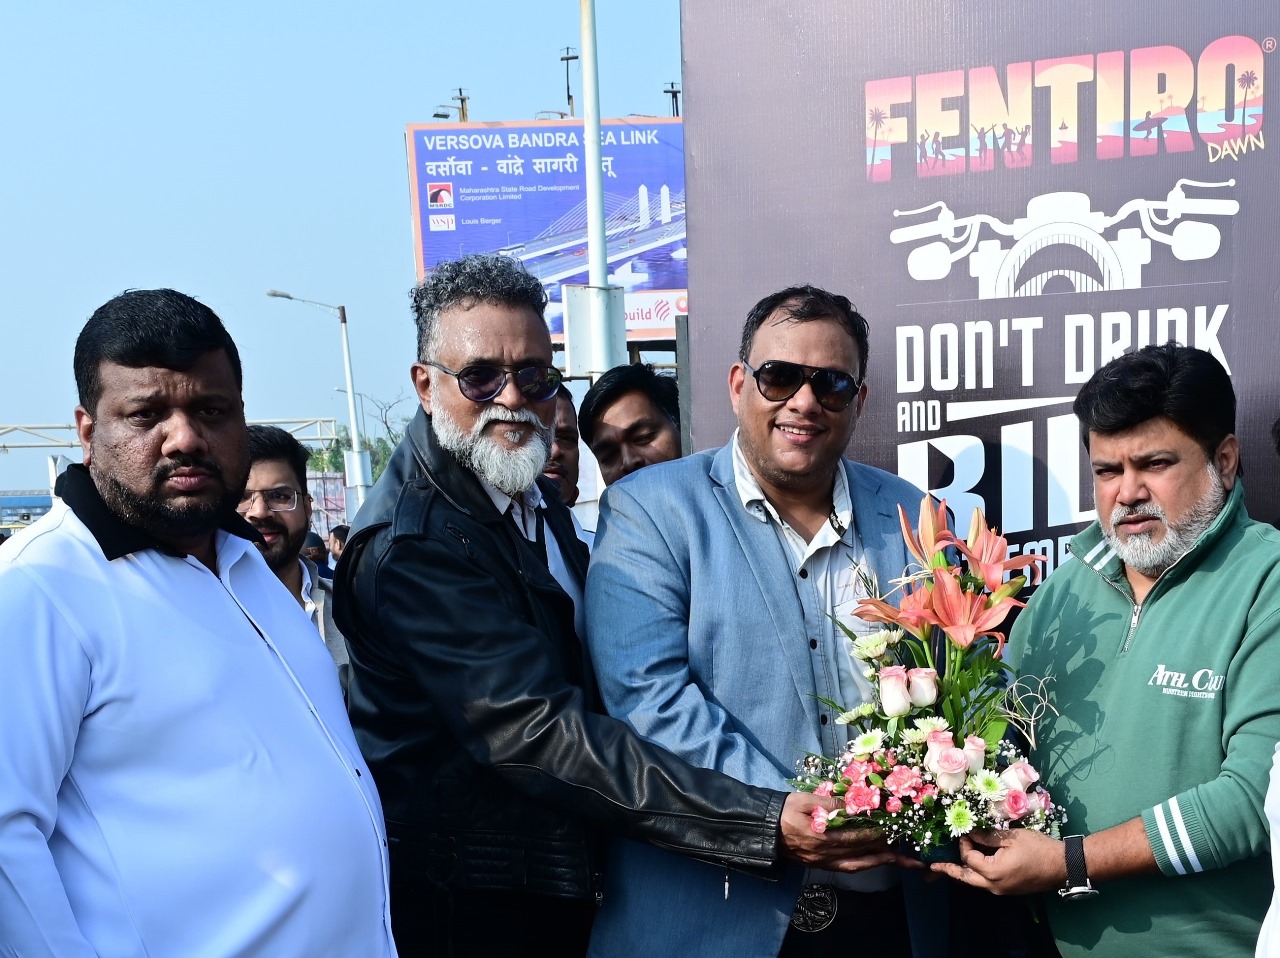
(1269, 939)
(178, 778)
(524, 510)
(831, 572)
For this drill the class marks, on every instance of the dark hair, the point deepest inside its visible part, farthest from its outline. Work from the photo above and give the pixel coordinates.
(478, 278)
(1275, 435)
(1186, 385)
(148, 327)
(563, 393)
(663, 392)
(340, 532)
(801, 304)
(271, 444)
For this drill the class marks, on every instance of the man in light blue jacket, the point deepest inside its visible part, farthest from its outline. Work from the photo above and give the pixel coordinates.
(712, 599)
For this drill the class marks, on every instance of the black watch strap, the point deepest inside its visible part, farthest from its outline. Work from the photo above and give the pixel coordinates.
(1078, 885)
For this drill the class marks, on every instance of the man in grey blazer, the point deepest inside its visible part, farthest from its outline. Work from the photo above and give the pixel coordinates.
(712, 598)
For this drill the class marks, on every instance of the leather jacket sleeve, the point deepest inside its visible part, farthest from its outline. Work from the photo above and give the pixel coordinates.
(429, 608)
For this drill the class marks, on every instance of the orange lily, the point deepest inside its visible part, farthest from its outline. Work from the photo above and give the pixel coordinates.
(914, 616)
(916, 611)
(931, 534)
(966, 615)
(988, 553)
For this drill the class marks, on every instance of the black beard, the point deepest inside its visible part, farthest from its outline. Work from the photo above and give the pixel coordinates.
(287, 548)
(161, 519)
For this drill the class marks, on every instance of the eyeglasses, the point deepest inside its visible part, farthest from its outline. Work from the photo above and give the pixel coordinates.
(779, 380)
(280, 499)
(482, 382)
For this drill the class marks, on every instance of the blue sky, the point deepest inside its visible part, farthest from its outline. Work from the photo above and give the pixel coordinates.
(224, 150)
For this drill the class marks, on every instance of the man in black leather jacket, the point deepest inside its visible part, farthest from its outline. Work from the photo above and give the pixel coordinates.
(472, 698)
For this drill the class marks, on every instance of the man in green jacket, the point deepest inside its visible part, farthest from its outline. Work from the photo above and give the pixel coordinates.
(1161, 643)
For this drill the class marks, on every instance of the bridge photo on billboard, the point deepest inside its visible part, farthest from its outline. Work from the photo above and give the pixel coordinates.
(519, 189)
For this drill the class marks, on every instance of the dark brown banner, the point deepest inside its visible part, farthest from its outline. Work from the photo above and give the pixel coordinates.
(1013, 194)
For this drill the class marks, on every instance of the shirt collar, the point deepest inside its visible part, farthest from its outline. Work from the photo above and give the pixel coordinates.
(115, 537)
(310, 572)
(531, 498)
(758, 505)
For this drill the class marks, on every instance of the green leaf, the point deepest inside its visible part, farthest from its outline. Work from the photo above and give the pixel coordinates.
(994, 731)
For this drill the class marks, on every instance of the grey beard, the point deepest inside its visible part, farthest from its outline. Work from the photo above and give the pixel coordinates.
(511, 471)
(1153, 558)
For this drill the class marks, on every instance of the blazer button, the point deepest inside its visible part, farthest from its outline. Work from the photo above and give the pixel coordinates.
(804, 573)
(813, 643)
(823, 720)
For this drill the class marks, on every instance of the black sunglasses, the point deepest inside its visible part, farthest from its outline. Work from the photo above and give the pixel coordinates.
(779, 380)
(483, 381)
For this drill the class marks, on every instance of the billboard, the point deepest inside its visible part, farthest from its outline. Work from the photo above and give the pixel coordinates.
(1010, 208)
(518, 188)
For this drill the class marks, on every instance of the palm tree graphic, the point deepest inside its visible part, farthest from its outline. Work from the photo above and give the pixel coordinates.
(1246, 81)
(876, 118)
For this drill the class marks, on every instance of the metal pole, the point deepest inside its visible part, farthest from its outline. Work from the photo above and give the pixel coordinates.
(568, 57)
(597, 251)
(595, 322)
(360, 482)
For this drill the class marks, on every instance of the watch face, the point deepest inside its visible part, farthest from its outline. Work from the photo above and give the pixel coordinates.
(1079, 891)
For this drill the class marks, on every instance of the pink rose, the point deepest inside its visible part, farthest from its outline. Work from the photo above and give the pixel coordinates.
(826, 788)
(934, 744)
(1039, 801)
(952, 769)
(893, 805)
(1019, 776)
(922, 685)
(861, 798)
(1016, 805)
(926, 791)
(904, 781)
(818, 819)
(976, 749)
(895, 699)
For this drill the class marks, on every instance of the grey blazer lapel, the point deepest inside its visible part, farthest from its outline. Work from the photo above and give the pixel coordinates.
(878, 525)
(764, 555)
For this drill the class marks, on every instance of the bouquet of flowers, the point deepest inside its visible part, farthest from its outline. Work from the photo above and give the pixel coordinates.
(926, 760)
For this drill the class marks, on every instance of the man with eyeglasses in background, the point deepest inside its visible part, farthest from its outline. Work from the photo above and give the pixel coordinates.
(473, 699)
(276, 503)
(734, 566)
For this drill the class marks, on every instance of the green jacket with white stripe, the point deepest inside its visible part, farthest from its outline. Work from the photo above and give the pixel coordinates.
(1169, 711)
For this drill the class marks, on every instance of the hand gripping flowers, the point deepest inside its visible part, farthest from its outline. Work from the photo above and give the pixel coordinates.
(926, 762)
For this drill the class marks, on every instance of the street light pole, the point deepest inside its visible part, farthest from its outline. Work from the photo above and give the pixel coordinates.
(357, 461)
(673, 91)
(364, 414)
(569, 57)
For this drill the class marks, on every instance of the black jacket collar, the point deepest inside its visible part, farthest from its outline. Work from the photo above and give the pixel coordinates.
(114, 536)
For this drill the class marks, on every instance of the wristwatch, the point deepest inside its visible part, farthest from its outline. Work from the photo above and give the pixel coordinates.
(1078, 884)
